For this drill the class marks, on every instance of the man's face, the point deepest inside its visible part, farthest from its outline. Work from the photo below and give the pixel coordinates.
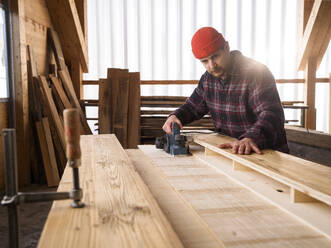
(218, 63)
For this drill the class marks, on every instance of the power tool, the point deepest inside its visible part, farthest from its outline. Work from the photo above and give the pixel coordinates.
(174, 143)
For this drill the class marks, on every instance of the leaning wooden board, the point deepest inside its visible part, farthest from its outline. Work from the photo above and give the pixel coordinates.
(237, 216)
(120, 210)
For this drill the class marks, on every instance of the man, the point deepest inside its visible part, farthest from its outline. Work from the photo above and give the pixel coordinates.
(239, 93)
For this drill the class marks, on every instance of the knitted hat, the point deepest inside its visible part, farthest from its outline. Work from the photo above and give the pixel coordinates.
(206, 41)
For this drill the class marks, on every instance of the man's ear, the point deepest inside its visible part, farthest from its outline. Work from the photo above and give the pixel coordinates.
(226, 46)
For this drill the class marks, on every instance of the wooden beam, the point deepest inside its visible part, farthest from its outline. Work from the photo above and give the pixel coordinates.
(21, 94)
(120, 210)
(66, 21)
(316, 35)
(81, 6)
(309, 93)
(308, 137)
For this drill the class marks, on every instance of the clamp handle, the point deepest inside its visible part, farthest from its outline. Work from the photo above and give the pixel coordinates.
(72, 133)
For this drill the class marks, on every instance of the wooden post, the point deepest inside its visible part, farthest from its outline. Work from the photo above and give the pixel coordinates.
(309, 93)
(21, 91)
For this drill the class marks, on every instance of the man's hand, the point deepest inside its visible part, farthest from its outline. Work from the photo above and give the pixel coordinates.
(244, 146)
(167, 127)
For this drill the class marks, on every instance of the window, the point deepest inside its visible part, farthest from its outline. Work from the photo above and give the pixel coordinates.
(3, 56)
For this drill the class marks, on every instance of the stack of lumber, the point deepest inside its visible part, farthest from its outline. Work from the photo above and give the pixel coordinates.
(155, 111)
(119, 106)
(49, 95)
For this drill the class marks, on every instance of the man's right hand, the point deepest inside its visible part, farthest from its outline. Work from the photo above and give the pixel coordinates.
(167, 126)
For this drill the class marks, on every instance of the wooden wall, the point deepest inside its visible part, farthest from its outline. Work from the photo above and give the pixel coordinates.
(37, 20)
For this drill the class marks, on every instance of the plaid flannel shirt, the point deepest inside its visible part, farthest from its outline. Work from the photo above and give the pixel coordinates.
(245, 104)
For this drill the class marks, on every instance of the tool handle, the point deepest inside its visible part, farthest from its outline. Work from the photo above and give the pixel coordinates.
(72, 133)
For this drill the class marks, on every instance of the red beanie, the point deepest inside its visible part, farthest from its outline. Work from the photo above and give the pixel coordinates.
(206, 41)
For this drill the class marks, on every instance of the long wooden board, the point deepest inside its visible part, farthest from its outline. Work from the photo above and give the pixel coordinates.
(66, 80)
(189, 226)
(52, 108)
(120, 210)
(310, 178)
(47, 150)
(237, 216)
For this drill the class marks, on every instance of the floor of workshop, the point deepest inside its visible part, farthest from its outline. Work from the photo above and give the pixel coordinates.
(32, 219)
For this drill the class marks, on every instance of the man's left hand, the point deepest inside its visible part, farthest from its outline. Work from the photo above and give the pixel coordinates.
(244, 146)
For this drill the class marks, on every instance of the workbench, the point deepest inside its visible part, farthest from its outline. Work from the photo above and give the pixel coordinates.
(147, 198)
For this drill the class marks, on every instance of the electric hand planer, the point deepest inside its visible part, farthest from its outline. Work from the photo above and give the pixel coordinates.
(175, 143)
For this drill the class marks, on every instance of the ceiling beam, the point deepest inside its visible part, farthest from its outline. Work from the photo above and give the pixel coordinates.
(316, 34)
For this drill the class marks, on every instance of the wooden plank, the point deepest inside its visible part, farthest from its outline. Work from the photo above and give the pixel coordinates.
(237, 216)
(152, 121)
(164, 98)
(143, 82)
(120, 210)
(317, 34)
(105, 105)
(47, 152)
(52, 108)
(308, 137)
(170, 82)
(81, 6)
(309, 93)
(305, 176)
(67, 83)
(66, 21)
(189, 226)
(120, 98)
(90, 82)
(54, 41)
(60, 91)
(134, 110)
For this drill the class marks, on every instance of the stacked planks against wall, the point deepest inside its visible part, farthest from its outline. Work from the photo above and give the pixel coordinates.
(49, 96)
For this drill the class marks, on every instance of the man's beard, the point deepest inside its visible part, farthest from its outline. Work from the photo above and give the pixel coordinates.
(219, 72)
